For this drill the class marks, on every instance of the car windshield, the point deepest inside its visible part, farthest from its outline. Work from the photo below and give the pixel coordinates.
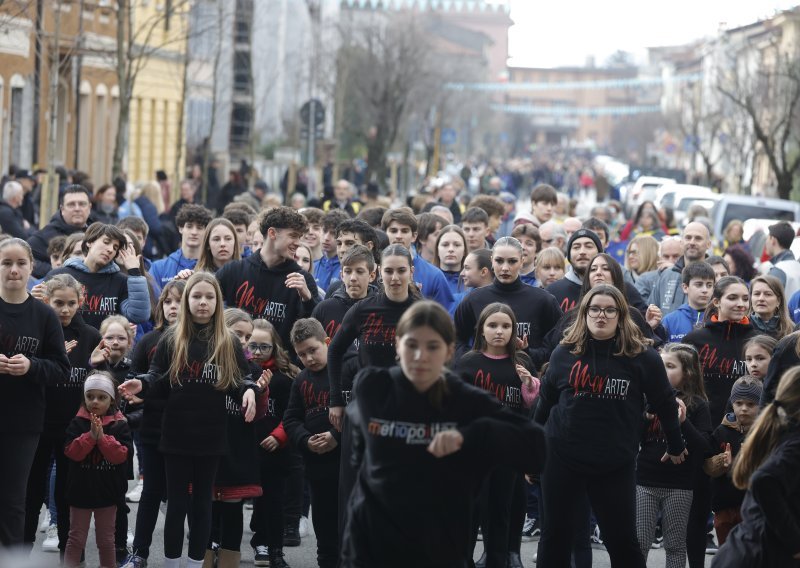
(741, 211)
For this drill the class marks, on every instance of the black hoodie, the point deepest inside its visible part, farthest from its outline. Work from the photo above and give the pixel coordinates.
(720, 345)
(330, 311)
(372, 321)
(65, 395)
(40, 239)
(153, 412)
(427, 501)
(724, 495)
(11, 221)
(252, 286)
(536, 310)
(31, 329)
(593, 405)
(307, 415)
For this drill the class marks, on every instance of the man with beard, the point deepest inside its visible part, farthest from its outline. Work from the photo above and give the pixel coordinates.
(668, 293)
(582, 247)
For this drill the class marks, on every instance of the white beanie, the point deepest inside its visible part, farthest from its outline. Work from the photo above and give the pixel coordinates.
(99, 382)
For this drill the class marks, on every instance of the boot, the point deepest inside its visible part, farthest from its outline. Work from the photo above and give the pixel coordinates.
(210, 559)
(514, 560)
(228, 558)
(276, 559)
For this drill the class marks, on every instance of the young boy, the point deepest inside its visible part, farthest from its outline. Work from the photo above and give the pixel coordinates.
(544, 199)
(698, 285)
(494, 210)
(327, 268)
(313, 237)
(191, 222)
(306, 422)
(240, 220)
(358, 272)
(475, 223)
(726, 500)
(348, 234)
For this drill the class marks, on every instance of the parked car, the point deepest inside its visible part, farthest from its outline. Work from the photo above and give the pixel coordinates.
(680, 196)
(744, 207)
(643, 190)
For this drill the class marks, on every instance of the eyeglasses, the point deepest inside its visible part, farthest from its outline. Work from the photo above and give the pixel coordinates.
(609, 313)
(262, 347)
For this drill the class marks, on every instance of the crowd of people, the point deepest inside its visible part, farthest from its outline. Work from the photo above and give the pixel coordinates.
(411, 378)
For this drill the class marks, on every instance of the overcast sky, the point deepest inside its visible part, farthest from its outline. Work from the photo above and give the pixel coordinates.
(552, 33)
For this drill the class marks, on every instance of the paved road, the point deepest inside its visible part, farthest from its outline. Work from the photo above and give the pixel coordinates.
(300, 557)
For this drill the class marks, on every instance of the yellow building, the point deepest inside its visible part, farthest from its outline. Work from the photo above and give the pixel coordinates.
(156, 130)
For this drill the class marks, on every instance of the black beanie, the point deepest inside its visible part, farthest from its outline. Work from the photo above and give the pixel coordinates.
(583, 234)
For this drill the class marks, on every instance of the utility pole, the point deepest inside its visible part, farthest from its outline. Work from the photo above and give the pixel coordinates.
(314, 10)
(76, 85)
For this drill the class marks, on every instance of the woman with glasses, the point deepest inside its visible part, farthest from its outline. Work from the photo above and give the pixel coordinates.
(592, 403)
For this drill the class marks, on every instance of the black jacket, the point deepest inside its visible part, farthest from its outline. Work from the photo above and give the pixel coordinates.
(153, 410)
(97, 470)
(11, 221)
(592, 405)
(393, 424)
(40, 239)
(720, 345)
(769, 534)
(724, 495)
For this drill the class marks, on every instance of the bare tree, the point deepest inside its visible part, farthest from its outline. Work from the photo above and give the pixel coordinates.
(700, 124)
(387, 67)
(764, 81)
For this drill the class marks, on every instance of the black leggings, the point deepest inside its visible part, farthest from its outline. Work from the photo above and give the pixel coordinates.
(612, 495)
(18, 450)
(494, 511)
(181, 471)
(154, 491)
(227, 525)
(267, 522)
(325, 503)
(697, 528)
(293, 495)
(37, 486)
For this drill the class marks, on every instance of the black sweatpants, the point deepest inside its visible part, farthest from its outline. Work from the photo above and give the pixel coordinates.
(494, 513)
(48, 447)
(325, 517)
(612, 495)
(697, 528)
(200, 471)
(154, 491)
(18, 449)
(347, 473)
(267, 522)
(293, 495)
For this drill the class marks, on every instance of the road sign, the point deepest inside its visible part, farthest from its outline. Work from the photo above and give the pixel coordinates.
(316, 107)
(449, 136)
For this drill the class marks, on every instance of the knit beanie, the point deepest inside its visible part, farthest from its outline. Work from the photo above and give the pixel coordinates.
(750, 390)
(101, 383)
(583, 234)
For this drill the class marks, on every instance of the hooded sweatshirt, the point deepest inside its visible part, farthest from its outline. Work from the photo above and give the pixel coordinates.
(682, 321)
(165, 269)
(31, 329)
(567, 291)
(536, 310)
(592, 405)
(668, 292)
(720, 345)
(393, 424)
(153, 410)
(372, 321)
(40, 239)
(696, 430)
(108, 291)
(261, 291)
(65, 394)
(327, 270)
(330, 312)
(97, 470)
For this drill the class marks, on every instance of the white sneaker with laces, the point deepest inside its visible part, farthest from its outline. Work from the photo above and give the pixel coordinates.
(305, 527)
(45, 521)
(135, 494)
(50, 543)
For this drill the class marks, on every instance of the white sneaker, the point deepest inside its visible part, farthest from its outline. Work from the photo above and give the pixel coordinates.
(50, 543)
(135, 494)
(304, 527)
(129, 540)
(45, 521)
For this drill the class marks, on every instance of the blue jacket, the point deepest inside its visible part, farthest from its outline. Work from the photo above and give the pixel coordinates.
(432, 283)
(326, 270)
(165, 269)
(128, 208)
(454, 281)
(794, 307)
(681, 321)
(530, 279)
